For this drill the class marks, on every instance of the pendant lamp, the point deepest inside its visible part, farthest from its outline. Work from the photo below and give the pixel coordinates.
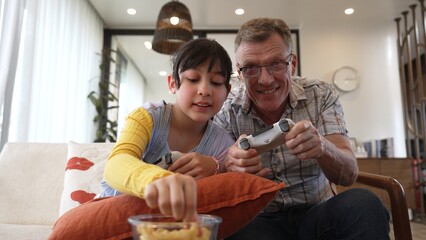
(174, 28)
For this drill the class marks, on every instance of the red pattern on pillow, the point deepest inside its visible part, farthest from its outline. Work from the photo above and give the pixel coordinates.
(78, 163)
(236, 197)
(81, 196)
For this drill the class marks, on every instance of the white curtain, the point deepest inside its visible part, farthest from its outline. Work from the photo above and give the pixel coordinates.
(57, 68)
(11, 18)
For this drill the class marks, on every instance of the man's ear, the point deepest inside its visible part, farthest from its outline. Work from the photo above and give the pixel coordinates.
(239, 73)
(172, 84)
(293, 64)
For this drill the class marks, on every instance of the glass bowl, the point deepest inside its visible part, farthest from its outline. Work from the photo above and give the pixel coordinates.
(159, 227)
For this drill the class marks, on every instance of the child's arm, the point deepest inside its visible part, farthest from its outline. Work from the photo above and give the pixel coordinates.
(125, 171)
(174, 194)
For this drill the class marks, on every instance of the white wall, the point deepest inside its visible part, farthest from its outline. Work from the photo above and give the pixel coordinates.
(374, 110)
(158, 91)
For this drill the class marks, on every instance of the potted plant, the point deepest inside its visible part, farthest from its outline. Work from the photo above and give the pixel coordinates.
(103, 100)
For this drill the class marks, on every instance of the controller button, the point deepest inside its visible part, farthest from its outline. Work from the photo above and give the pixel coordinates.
(244, 144)
(284, 126)
(263, 130)
(168, 159)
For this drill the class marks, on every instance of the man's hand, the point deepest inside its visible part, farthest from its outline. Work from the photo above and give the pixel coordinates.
(304, 141)
(248, 161)
(333, 152)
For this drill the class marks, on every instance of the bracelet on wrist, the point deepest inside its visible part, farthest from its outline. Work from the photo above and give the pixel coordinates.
(217, 165)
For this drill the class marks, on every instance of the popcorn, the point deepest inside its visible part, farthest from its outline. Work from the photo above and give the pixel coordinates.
(188, 232)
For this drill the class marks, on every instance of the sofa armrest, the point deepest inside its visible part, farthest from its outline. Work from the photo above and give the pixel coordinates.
(401, 222)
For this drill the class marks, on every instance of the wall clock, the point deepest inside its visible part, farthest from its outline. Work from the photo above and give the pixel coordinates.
(346, 79)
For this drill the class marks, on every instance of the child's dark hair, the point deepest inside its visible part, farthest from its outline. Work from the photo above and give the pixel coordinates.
(196, 52)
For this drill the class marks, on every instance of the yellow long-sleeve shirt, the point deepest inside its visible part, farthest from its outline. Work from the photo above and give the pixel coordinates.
(124, 170)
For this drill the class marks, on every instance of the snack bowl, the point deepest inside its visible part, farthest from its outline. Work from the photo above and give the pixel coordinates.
(159, 227)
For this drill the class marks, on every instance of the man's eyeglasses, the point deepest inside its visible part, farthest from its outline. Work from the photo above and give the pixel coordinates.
(253, 71)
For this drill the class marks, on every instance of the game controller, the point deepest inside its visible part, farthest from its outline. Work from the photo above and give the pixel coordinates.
(267, 138)
(168, 159)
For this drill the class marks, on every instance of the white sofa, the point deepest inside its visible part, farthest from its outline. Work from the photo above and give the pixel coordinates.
(31, 185)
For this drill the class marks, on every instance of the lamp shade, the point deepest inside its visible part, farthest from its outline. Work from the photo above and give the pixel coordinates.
(174, 28)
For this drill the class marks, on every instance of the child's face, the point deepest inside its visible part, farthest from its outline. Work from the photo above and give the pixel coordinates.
(201, 93)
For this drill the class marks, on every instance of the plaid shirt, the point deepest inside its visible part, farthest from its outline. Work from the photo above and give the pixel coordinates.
(313, 100)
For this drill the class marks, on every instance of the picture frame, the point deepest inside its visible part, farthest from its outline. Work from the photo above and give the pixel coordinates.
(353, 143)
(296, 46)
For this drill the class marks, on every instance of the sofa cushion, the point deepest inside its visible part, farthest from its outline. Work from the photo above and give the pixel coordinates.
(31, 180)
(24, 232)
(236, 197)
(83, 173)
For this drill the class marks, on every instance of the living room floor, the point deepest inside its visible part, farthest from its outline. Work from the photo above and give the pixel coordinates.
(418, 231)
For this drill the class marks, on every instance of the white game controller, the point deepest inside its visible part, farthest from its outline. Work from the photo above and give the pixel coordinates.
(168, 159)
(267, 138)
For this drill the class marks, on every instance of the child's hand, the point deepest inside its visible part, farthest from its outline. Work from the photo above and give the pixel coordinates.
(175, 195)
(195, 165)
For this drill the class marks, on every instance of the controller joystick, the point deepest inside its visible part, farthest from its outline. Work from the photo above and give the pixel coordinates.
(168, 159)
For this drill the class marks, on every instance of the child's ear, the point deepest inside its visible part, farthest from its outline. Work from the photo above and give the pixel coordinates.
(172, 84)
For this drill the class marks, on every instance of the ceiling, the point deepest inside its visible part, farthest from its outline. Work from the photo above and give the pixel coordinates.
(219, 14)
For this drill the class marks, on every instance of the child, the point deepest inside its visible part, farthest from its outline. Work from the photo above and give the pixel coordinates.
(200, 80)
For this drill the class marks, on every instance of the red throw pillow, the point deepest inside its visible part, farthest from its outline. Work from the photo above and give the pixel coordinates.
(236, 197)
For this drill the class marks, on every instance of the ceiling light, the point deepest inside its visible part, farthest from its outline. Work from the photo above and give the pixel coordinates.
(148, 44)
(131, 11)
(162, 73)
(349, 11)
(239, 11)
(174, 28)
(174, 20)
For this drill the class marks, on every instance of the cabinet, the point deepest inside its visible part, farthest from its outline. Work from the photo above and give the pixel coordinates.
(399, 168)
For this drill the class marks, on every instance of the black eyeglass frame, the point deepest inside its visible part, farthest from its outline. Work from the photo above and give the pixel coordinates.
(287, 63)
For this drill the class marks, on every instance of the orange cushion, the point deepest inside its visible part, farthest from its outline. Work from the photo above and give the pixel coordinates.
(236, 197)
